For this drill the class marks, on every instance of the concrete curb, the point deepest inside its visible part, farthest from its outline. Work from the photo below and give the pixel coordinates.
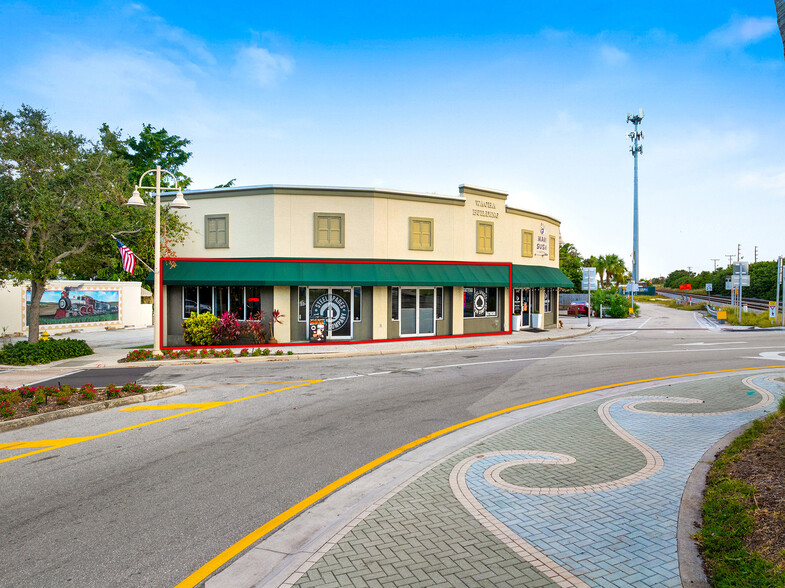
(46, 417)
(343, 354)
(691, 514)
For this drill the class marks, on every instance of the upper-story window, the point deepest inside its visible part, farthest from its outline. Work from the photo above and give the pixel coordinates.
(216, 231)
(328, 229)
(420, 234)
(552, 248)
(527, 240)
(484, 237)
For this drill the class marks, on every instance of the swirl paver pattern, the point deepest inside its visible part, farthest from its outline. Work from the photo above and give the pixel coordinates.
(587, 496)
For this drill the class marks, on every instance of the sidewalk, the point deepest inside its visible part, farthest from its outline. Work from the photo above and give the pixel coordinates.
(111, 346)
(584, 491)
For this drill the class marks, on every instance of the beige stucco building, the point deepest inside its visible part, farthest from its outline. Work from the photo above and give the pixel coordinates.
(364, 264)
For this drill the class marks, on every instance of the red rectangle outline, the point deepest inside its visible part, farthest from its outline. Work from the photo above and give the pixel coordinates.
(306, 260)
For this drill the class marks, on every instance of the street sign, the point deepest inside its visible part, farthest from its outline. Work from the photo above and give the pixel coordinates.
(589, 278)
(685, 286)
(709, 287)
(742, 267)
(772, 310)
(733, 281)
(631, 288)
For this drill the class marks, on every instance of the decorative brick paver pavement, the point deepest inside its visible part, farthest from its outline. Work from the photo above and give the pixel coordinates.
(589, 495)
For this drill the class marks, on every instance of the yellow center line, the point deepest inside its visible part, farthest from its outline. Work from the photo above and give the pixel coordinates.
(214, 564)
(50, 444)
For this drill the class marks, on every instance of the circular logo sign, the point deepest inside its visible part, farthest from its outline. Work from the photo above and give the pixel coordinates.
(480, 302)
(542, 229)
(332, 308)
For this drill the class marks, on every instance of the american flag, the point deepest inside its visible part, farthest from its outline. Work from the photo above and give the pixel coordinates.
(129, 260)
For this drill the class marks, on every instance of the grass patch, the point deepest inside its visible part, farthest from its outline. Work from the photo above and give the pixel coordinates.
(728, 517)
(150, 346)
(671, 302)
(751, 319)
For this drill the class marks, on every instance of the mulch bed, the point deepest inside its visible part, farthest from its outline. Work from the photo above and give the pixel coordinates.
(762, 466)
(22, 409)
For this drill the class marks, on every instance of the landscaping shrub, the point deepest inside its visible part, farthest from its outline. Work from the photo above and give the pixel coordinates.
(87, 392)
(22, 353)
(6, 410)
(63, 395)
(227, 329)
(112, 391)
(198, 329)
(256, 328)
(139, 355)
(614, 304)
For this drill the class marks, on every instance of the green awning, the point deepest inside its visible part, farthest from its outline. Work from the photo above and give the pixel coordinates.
(324, 272)
(277, 272)
(534, 276)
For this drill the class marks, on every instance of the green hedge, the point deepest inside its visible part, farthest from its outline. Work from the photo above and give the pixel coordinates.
(22, 353)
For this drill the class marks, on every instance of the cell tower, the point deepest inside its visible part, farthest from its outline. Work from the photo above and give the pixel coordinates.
(635, 136)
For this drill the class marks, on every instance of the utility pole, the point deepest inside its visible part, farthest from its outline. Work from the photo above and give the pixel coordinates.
(730, 259)
(738, 253)
(756, 254)
(635, 149)
(689, 269)
(715, 260)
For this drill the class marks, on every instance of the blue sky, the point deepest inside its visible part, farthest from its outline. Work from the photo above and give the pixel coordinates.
(530, 98)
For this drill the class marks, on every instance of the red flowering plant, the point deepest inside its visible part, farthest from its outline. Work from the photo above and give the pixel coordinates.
(6, 410)
(87, 392)
(227, 329)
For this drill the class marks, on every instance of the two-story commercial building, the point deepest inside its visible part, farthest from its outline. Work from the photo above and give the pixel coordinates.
(357, 264)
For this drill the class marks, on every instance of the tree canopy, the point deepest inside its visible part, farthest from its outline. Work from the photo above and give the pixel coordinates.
(152, 147)
(61, 198)
(570, 262)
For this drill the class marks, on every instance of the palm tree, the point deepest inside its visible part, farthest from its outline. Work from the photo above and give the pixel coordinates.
(602, 268)
(615, 267)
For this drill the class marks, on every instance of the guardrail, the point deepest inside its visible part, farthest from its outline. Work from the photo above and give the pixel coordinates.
(711, 310)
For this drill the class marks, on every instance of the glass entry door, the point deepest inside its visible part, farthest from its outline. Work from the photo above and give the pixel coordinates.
(525, 310)
(418, 311)
(335, 306)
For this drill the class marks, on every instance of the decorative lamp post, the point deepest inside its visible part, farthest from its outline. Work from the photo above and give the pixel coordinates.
(178, 202)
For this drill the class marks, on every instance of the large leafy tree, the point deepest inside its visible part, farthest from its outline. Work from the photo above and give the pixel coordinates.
(570, 262)
(61, 198)
(152, 148)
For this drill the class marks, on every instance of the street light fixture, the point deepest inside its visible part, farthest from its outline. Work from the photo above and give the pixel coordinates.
(178, 202)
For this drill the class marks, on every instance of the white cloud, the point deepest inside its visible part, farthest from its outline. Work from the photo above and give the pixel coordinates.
(743, 31)
(175, 36)
(613, 55)
(261, 66)
(88, 77)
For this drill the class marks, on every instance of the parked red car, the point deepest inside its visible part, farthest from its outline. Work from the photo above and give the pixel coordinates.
(578, 308)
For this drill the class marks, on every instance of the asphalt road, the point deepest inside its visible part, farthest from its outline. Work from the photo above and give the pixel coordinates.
(148, 505)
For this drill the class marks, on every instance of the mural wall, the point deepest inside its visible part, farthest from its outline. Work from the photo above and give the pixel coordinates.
(76, 305)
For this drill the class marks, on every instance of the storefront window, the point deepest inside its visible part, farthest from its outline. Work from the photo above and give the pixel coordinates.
(302, 306)
(358, 304)
(439, 303)
(480, 302)
(548, 300)
(221, 300)
(395, 294)
(468, 302)
(253, 301)
(190, 300)
(492, 308)
(205, 299)
(236, 302)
